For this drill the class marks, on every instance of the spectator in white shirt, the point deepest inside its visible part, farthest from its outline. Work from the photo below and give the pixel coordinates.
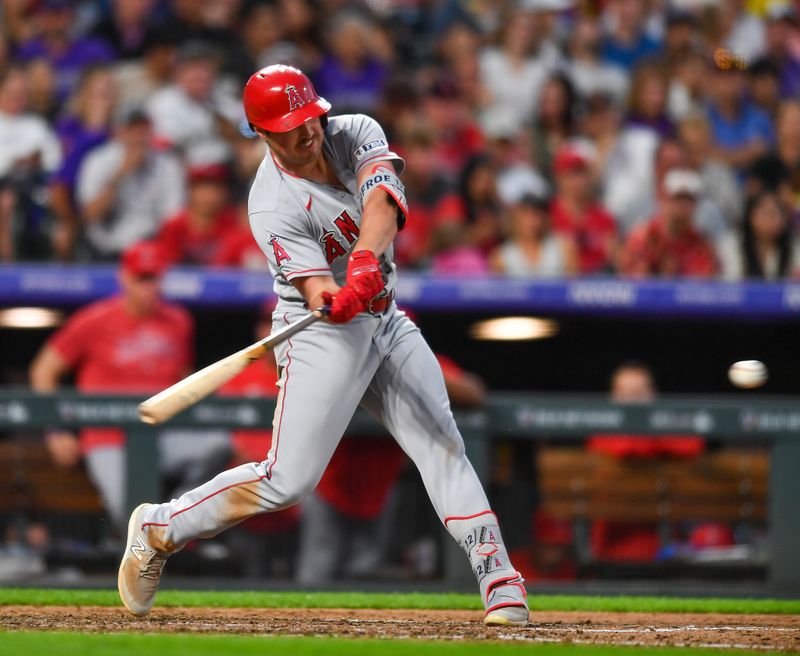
(29, 152)
(194, 116)
(126, 188)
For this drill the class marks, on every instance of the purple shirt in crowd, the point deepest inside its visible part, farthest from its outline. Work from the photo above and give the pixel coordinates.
(69, 63)
(76, 142)
(350, 90)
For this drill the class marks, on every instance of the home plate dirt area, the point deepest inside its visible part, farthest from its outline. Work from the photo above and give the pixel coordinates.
(767, 632)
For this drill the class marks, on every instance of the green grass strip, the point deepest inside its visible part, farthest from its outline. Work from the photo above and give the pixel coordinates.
(126, 644)
(299, 599)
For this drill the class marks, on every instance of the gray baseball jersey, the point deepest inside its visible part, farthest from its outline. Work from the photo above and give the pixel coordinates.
(307, 228)
(381, 363)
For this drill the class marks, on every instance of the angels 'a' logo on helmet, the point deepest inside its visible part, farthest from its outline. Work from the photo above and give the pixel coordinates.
(293, 95)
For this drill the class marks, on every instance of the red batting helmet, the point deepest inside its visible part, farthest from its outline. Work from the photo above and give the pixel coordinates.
(279, 98)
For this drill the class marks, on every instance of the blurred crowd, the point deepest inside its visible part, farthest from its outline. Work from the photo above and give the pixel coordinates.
(543, 138)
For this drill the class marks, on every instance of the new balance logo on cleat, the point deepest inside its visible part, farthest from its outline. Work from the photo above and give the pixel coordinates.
(139, 549)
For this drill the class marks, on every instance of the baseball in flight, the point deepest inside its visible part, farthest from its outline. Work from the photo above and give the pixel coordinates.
(748, 374)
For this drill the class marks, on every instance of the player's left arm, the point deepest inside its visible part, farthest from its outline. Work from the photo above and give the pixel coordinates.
(384, 208)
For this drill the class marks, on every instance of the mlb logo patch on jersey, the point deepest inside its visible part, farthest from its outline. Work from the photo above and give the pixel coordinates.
(363, 150)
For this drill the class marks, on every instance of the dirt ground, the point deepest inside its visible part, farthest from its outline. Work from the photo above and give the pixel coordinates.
(768, 632)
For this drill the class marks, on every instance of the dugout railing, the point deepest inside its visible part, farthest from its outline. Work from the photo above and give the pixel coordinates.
(773, 422)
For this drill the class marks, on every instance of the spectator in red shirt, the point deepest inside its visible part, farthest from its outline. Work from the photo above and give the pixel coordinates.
(576, 213)
(195, 234)
(669, 245)
(134, 342)
(345, 524)
(633, 382)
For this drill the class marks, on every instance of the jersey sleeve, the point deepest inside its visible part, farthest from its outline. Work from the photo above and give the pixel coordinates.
(369, 145)
(73, 339)
(290, 244)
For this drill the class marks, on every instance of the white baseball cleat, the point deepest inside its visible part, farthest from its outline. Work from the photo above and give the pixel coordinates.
(140, 569)
(507, 605)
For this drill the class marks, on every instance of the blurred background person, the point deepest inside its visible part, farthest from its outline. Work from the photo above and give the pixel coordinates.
(532, 250)
(669, 244)
(134, 342)
(633, 382)
(554, 124)
(588, 72)
(126, 27)
(30, 153)
(57, 41)
(126, 188)
(742, 133)
(766, 247)
(138, 79)
(195, 116)
(351, 75)
(576, 213)
(196, 234)
(481, 206)
(647, 105)
(627, 41)
(513, 70)
(86, 123)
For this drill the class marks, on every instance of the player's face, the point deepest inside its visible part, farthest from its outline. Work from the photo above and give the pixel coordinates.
(141, 291)
(298, 147)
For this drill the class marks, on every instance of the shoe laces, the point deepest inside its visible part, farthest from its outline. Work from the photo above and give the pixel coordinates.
(152, 569)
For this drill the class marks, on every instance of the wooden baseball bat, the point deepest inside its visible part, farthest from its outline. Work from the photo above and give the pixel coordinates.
(190, 390)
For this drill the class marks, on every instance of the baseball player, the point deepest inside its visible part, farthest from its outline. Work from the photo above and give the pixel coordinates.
(325, 206)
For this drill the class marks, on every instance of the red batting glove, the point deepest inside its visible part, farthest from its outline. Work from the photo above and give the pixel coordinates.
(364, 275)
(345, 305)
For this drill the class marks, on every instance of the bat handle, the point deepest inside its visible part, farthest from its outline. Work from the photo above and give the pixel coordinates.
(322, 311)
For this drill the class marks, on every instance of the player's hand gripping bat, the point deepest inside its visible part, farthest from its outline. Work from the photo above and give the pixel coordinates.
(190, 390)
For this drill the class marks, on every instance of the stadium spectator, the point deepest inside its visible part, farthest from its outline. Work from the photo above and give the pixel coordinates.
(765, 86)
(194, 115)
(458, 136)
(766, 247)
(719, 181)
(239, 249)
(126, 188)
(42, 99)
(779, 169)
(351, 75)
(133, 342)
(532, 249)
(86, 124)
(647, 106)
(126, 26)
(783, 46)
(742, 132)
(576, 213)
(627, 41)
(555, 122)
(55, 41)
(680, 37)
(587, 71)
(513, 71)
(196, 233)
(346, 523)
(669, 244)
(263, 39)
(736, 29)
(30, 152)
(139, 79)
(480, 204)
(688, 88)
(633, 382)
(432, 201)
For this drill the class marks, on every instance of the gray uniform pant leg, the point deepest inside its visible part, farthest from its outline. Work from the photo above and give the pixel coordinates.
(323, 534)
(106, 468)
(408, 396)
(326, 370)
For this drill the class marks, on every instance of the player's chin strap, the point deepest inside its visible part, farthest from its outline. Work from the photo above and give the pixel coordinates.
(479, 536)
(383, 177)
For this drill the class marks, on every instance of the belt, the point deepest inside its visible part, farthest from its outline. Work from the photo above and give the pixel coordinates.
(380, 303)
